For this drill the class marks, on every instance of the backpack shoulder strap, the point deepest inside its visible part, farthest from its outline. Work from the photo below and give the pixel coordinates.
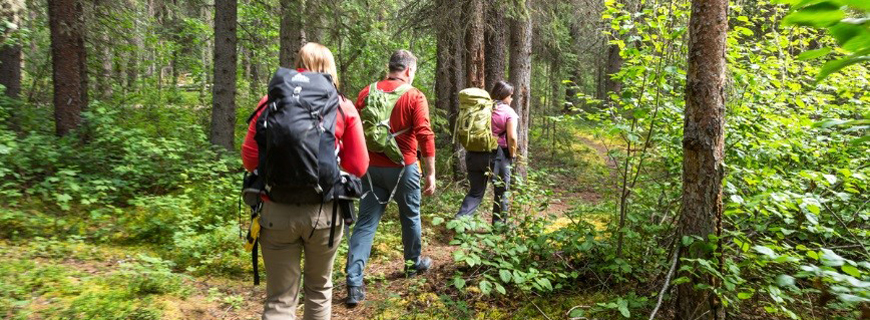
(400, 90)
(256, 111)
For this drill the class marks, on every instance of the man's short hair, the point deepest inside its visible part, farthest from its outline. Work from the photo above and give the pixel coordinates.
(402, 59)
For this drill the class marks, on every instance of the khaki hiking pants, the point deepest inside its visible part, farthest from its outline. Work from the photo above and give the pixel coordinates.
(287, 233)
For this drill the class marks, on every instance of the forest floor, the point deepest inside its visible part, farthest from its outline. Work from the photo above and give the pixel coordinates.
(583, 179)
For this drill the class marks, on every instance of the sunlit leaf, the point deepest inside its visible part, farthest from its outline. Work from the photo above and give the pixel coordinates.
(813, 54)
(818, 15)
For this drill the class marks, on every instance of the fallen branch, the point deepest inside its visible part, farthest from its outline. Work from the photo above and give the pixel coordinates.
(666, 285)
(541, 311)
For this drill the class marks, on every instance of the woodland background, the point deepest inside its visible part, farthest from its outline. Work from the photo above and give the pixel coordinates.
(659, 178)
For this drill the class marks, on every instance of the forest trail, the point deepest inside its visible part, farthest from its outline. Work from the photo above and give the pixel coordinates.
(386, 293)
(390, 294)
(586, 183)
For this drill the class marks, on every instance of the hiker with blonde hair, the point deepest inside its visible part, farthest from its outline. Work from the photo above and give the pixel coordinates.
(299, 197)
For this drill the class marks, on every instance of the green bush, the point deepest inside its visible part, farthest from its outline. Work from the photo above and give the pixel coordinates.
(215, 250)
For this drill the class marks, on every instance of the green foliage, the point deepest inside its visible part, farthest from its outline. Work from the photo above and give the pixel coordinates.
(847, 21)
(127, 293)
(215, 249)
(795, 154)
(528, 256)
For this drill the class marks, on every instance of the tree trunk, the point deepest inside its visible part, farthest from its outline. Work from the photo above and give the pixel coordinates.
(223, 116)
(475, 61)
(495, 47)
(66, 21)
(520, 76)
(459, 83)
(612, 65)
(703, 152)
(137, 43)
(291, 32)
(10, 55)
(444, 62)
(313, 21)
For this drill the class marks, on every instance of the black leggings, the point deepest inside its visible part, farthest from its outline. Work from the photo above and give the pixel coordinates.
(482, 165)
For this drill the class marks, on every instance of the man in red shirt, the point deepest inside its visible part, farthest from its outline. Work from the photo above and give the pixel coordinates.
(410, 116)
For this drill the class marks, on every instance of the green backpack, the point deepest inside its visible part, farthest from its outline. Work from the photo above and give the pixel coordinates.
(474, 123)
(376, 121)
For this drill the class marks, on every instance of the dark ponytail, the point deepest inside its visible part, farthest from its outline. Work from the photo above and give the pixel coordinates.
(501, 90)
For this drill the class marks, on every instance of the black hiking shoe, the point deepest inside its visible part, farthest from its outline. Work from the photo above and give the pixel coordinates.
(424, 265)
(355, 295)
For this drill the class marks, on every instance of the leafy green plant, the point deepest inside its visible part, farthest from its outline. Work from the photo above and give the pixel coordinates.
(852, 33)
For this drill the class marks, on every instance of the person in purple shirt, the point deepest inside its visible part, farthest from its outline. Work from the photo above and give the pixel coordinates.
(497, 162)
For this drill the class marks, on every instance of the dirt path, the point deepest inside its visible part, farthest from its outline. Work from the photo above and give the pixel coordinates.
(566, 191)
(395, 287)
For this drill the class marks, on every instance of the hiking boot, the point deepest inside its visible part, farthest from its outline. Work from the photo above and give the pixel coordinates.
(424, 265)
(355, 295)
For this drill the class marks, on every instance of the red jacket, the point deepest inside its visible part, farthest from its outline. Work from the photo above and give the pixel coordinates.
(411, 111)
(348, 137)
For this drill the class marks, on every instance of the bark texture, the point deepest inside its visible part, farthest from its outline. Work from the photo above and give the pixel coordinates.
(475, 61)
(445, 64)
(703, 150)
(292, 31)
(495, 44)
(10, 55)
(520, 77)
(223, 115)
(66, 21)
(450, 73)
(612, 65)
(460, 81)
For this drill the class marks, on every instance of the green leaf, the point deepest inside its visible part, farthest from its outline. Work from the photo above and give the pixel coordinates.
(768, 252)
(576, 313)
(504, 275)
(818, 15)
(858, 4)
(545, 283)
(784, 280)
(836, 65)
(459, 283)
(687, 240)
(745, 295)
(813, 54)
(851, 298)
(814, 208)
(845, 32)
(860, 140)
(852, 271)
(500, 289)
(829, 123)
(622, 305)
(485, 287)
(437, 221)
(831, 259)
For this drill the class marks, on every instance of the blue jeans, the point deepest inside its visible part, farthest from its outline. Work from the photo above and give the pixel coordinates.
(407, 196)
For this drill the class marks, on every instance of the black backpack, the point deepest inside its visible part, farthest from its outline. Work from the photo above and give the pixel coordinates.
(296, 138)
